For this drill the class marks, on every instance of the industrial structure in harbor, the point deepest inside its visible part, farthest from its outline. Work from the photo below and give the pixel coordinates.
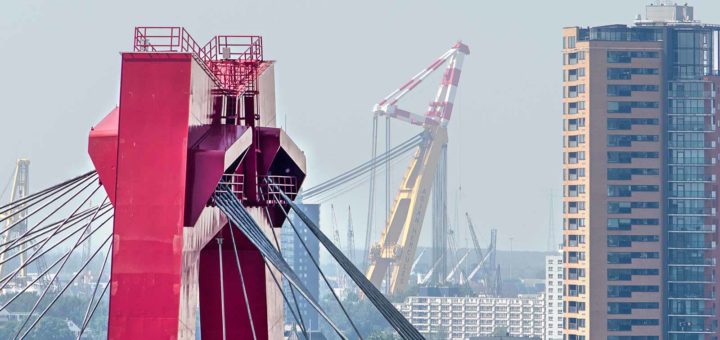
(640, 177)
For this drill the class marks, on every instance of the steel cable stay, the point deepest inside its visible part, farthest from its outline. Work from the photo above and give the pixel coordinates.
(67, 285)
(31, 197)
(371, 194)
(242, 282)
(41, 275)
(64, 229)
(355, 182)
(95, 289)
(287, 301)
(43, 194)
(317, 266)
(236, 213)
(394, 317)
(57, 273)
(25, 208)
(292, 290)
(75, 219)
(35, 226)
(369, 166)
(55, 232)
(222, 286)
(91, 307)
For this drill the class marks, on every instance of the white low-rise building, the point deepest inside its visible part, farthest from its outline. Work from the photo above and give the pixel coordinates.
(553, 297)
(475, 316)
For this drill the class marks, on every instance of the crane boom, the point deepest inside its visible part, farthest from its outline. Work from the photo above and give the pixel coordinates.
(395, 251)
(476, 242)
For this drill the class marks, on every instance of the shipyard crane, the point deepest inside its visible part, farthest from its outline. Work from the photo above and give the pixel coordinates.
(393, 255)
(350, 252)
(486, 265)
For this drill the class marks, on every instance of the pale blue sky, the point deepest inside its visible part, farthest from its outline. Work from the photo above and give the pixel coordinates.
(59, 69)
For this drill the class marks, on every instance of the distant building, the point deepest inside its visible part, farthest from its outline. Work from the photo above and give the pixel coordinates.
(554, 297)
(300, 262)
(476, 316)
(640, 166)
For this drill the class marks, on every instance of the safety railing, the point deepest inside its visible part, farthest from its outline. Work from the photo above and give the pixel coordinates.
(167, 39)
(273, 186)
(232, 60)
(235, 183)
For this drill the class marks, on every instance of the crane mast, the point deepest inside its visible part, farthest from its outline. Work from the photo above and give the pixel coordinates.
(21, 188)
(394, 253)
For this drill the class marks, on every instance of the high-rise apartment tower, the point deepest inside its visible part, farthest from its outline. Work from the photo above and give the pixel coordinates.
(640, 178)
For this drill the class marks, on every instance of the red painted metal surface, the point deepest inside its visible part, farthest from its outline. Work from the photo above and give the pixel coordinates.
(180, 128)
(150, 191)
(235, 309)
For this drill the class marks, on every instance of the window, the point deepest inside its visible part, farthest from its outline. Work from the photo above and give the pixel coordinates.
(627, 73)
(626, 291)
(627, 90)
(687, 106)
(633, 337)
(625, 57)
(624, 241)
(626, 324)
(627, 123)
(622, 174)
(627, 107)
(627, 307)
(626, 140)
(575, 173)
(627, 274)
(574, 124)
(624, 157)
(627, 190)
(627, 257)
(626, 207)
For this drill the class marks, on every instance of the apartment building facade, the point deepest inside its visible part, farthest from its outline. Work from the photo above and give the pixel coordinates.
(554, 272)
(640, 146)
(476, 316)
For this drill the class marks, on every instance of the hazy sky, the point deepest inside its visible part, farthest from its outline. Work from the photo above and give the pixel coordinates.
(59, 74)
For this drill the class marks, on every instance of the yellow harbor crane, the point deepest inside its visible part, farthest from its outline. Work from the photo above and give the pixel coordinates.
(392, 257)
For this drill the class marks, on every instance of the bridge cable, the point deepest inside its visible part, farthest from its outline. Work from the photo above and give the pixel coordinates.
(86, 317)
(85, 324)
(77, 218)
(8, 259)
(56, 231)
(222, 286)
(241, 219)
(277, 245)
(67, 285)
(242, 282)
(317, 265)
(371, 196)
(391, 314)
(48, 191)
(64, 258)
(287, 302)
(41, 208)
(32, 259)
(368, 166)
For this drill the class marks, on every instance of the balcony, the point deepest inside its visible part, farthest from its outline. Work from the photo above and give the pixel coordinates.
(691, 94)
(692, 178)
(691, 144)
(692, 228)
(700, 194)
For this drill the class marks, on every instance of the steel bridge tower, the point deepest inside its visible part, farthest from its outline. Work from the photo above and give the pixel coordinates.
(192, 116)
